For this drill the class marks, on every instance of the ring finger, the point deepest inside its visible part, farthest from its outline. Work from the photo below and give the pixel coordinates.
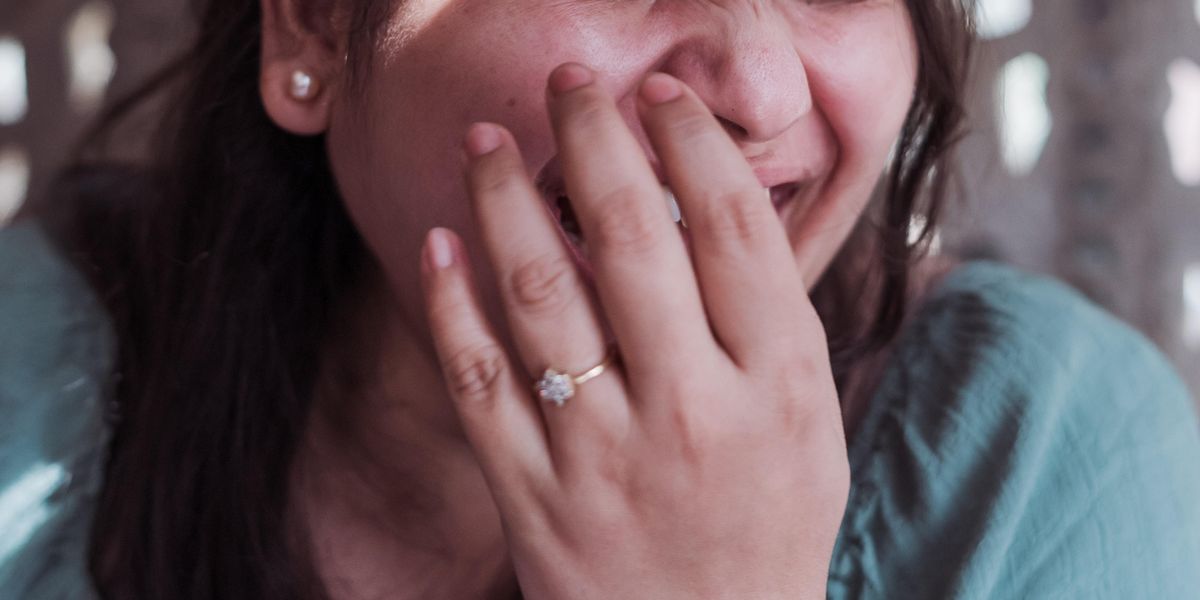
(550, 312)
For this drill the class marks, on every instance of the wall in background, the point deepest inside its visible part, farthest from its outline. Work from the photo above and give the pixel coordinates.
(1083, 162)
(1084, 159)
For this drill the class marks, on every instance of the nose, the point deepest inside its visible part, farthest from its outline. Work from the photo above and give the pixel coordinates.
(746, 68)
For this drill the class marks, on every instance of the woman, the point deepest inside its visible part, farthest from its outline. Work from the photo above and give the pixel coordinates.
(319, 337)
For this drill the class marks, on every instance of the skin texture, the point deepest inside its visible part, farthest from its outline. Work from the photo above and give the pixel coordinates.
(393, 498)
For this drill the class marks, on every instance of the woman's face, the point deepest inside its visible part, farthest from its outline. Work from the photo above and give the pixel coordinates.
(814, 92)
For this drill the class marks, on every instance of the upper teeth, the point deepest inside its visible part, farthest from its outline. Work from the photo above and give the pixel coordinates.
(673, 204)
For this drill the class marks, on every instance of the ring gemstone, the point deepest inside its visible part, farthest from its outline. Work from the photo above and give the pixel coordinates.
(555, 387)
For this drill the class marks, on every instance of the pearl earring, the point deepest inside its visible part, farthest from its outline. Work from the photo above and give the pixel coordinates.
(303, 85)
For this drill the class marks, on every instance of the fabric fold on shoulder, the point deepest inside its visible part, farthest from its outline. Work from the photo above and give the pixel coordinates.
(1022, 443)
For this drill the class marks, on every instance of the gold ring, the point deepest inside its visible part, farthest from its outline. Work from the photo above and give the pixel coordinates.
(558, 387)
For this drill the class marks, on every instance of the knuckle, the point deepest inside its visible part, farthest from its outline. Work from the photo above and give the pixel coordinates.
(692, 426)
(446, 311)
(695, 433)
(692, 127)
(622, 223)
(791, 380)
(806, 403)
(732, 220)
(791, 365)
(586, 109)
(543, 285)
(683, 391)
(496, 178)
(474, 374)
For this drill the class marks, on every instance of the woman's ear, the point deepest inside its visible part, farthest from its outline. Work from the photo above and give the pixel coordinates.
(302, 63)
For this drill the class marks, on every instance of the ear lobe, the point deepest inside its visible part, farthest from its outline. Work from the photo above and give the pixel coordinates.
(300, 41)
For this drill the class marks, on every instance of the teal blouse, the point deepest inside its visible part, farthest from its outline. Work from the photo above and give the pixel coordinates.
(1022, 443)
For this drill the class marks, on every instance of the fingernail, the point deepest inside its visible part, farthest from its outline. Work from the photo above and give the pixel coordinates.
(660, 88)
(439, 250)
(570, 76)
(481, 139)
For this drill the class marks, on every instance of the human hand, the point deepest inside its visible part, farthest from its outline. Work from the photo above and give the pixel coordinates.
(711, 462)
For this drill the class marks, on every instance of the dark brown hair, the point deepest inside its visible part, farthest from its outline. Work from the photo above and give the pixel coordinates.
(220, 259)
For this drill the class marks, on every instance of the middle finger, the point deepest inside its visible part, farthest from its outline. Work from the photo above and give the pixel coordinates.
(643, 275)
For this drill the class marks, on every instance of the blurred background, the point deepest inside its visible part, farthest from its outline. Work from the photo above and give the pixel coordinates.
(1083, 160)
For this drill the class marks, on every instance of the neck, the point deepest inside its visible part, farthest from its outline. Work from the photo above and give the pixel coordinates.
(385, 486)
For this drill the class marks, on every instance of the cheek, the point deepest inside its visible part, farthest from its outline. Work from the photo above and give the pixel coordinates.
(861, 74)
(396, 153)
(417, 109)
(472, 63)
(863, 84)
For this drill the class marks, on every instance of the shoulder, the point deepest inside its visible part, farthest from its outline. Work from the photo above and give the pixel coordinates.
(992, 328)
(56, 354)
(1022, 442)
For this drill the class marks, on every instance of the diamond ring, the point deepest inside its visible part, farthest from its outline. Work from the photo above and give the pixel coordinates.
(558, 387)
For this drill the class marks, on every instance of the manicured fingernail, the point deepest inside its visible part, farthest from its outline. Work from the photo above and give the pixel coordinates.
(660, 88)
(482, 138)
(439, 250)
(570, 76)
